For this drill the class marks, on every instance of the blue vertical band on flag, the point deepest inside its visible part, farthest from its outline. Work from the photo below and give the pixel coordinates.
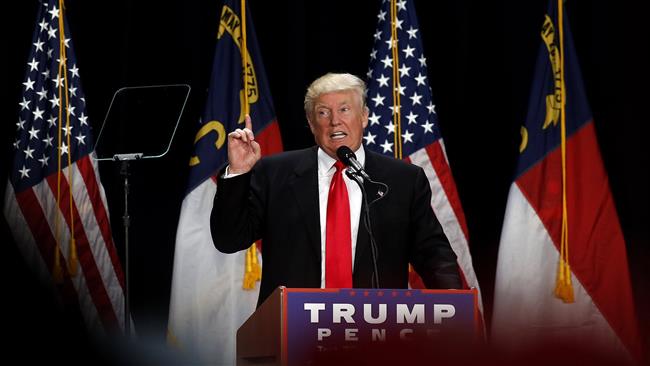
(544, 103)
(562, 258)
(208, 301)
(224, 106)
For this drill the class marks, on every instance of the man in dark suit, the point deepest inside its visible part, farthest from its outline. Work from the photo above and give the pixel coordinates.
(283, 200)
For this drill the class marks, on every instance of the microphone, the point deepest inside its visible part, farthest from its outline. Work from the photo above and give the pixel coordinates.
(348, 158)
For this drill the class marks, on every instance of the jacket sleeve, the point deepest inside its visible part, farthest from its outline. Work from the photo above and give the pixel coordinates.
(237, 216)
(431, 254)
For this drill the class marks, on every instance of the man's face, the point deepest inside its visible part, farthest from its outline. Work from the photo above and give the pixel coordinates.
(338, 119)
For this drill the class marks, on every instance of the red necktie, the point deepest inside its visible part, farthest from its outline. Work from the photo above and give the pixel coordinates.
(338, 244)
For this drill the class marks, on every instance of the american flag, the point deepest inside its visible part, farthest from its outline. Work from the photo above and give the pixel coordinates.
(403, 122)
(54, 203)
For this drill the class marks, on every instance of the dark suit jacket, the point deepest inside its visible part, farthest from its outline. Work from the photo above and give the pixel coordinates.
(278, 202)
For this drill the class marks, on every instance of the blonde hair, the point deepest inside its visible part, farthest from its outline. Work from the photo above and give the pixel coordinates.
(332, 82)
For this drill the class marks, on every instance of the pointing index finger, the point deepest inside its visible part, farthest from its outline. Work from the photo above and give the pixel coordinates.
(248, 122)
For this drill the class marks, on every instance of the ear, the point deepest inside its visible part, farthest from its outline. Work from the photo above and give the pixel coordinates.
(311, 126)
(364, 116)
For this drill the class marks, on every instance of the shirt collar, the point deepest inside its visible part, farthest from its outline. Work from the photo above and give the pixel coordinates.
(325, 162)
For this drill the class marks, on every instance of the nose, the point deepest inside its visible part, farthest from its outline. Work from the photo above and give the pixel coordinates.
(335, 119)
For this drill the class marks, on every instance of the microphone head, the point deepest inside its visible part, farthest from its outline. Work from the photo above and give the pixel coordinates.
(344, 154)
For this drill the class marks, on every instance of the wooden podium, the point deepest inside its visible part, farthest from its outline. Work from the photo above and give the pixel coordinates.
(332, 326)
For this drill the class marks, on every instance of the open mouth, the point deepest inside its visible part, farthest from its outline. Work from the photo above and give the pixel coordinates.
(338, 135)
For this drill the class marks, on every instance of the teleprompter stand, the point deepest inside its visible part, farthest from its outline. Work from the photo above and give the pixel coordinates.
(140, 124)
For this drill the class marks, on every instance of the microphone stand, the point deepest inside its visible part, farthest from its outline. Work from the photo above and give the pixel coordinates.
(367, 222)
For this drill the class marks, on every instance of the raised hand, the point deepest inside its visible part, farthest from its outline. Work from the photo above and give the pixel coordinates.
(243, 150)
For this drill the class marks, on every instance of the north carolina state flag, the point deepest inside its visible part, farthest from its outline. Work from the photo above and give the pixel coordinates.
(527, 314)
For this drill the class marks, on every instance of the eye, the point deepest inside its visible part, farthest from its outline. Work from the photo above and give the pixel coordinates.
(323, 113)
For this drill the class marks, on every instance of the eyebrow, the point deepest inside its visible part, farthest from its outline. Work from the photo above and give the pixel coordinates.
(320, 105)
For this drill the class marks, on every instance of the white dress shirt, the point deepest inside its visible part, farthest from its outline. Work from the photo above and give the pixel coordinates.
(326, 171)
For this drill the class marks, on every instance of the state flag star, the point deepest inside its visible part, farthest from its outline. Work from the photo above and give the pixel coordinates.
(46, 74)
(17, 144)
(387, 146)
(401, 5)
(373, 54)
(71, 110)
(67, 129)
(398, 23)
(382, 15)
(369, 74)
(29, 84)
(66, 42)
(73, 91)
(370, 138)
(377, 35)
(49, 53)
(401, 89)
(393, 108)
(20, 124)
(63, 149)
(24, 172)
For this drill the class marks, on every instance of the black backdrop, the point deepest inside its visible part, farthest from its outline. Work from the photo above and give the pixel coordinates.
(480, 57)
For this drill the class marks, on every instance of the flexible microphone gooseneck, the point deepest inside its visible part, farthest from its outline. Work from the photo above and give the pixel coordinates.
(357, 173)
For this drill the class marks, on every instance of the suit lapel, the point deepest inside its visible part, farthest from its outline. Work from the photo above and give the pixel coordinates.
(304, 185)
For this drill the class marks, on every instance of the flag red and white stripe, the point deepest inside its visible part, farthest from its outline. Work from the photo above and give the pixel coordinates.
(413, 133)
(54, 196)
